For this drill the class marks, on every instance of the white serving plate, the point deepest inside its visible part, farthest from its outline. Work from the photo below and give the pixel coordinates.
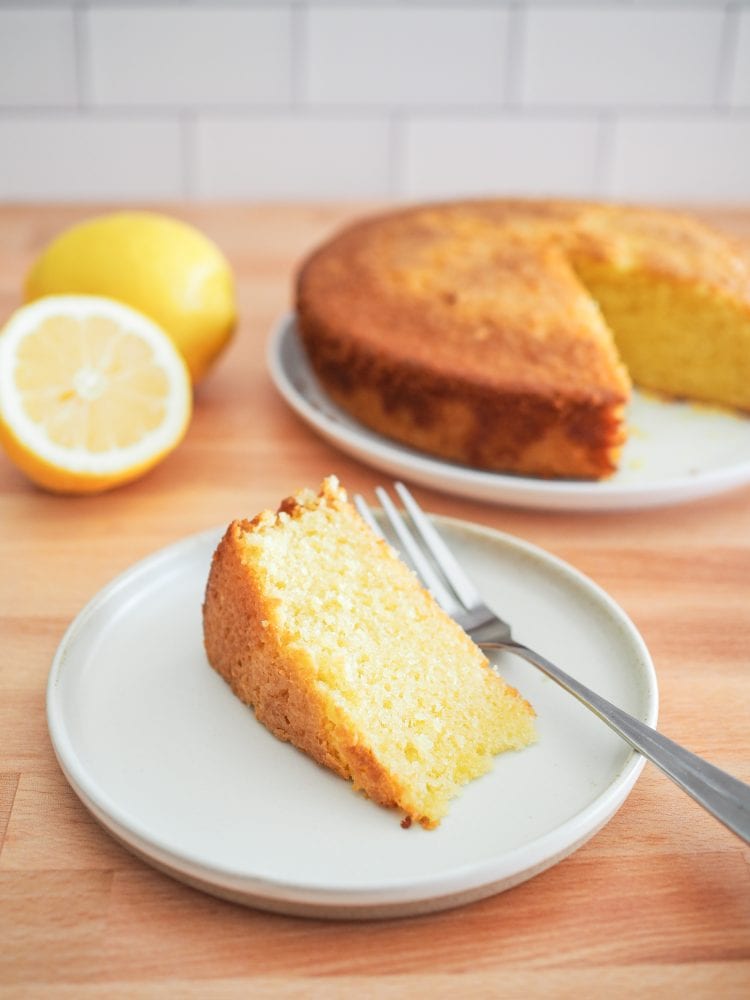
(676, 451)
(178, 770)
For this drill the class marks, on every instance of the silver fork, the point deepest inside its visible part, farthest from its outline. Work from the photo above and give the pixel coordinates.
(722, 795)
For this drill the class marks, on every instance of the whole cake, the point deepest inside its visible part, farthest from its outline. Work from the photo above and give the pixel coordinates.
(506, 334)
(317, 624)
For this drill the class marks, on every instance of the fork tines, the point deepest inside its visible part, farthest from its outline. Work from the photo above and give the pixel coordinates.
(423, 548)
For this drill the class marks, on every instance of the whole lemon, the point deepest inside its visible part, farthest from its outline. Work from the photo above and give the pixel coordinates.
(153, 263)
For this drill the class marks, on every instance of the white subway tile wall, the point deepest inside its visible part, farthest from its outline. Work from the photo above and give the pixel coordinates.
(402, 58)
(188, 57)
(48, 156)
(279, 156)
(621, 57)
(504, 152)
(37, 56)
(305, 99)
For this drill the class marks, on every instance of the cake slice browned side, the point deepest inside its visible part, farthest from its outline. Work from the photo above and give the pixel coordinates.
(244, 648)
(248, 658)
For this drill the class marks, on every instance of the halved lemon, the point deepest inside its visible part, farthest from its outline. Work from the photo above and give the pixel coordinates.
(92, 393)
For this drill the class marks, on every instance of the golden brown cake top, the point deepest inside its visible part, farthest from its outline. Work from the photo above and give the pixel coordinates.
(480, 290)
(488, 290)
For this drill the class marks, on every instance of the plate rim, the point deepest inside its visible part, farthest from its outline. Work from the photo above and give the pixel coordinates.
(498, 487)
(417, 894)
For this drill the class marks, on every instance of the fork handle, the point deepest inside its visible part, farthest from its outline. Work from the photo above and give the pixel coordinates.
(722, 795)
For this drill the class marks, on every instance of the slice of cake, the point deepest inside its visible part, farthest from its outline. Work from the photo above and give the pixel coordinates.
(318, 625)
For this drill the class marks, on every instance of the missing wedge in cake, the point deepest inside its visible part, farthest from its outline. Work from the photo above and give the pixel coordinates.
(506, 335)
(317, 625)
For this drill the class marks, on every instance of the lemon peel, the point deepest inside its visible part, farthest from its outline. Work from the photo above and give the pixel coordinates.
(161, 266)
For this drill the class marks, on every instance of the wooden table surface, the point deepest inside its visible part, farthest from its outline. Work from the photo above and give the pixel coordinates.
(657, 904)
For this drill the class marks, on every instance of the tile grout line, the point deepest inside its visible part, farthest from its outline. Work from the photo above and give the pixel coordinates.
(298, 44)
(374, 112)
(515, 56)
(728, 56)
(187, 123)
(604, 161)
(396, 163)
(81, 55)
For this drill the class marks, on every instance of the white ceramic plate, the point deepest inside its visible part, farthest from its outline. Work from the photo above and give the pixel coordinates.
(177, 769)
(676, 451)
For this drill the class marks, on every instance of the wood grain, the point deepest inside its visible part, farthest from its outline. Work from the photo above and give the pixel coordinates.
(657, 904)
